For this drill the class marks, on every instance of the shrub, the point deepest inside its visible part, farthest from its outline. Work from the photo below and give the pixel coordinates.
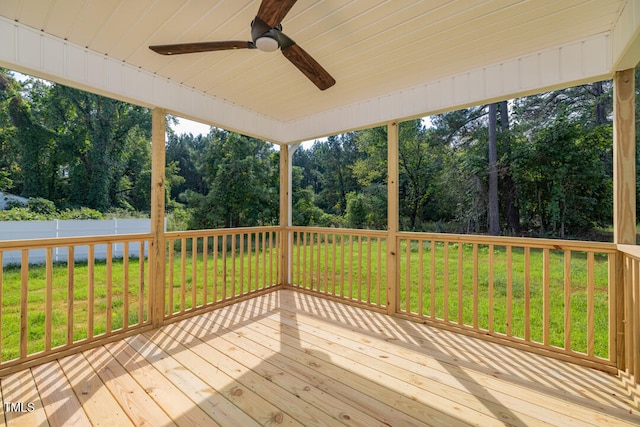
(41, 206)
(81, 213)
(21, 214)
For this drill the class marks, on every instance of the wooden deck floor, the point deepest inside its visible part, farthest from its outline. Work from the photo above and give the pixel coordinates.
(288, 358)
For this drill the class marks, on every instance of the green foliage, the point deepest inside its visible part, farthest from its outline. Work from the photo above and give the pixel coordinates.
(367, 209)
(241, 176)
(41, 206)
(27, 214)
(565, 185)
(79, 213)
(82, 150)
(21, 214)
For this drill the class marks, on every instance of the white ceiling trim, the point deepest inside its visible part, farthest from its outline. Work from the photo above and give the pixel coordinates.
(27, 50)
(567, 65)
(626, 37)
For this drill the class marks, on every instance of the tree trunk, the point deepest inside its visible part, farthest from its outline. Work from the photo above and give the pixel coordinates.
(509, 187)
(600, 107)
(494, 220)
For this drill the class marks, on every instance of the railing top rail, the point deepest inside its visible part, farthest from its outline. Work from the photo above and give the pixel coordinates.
(56, 242)
(576, 245)
(630, 250)
(218, 231)
(344, 231)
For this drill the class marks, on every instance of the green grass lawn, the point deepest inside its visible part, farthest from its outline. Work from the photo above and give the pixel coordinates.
(354, 269)
(188, 281)
(36, 303)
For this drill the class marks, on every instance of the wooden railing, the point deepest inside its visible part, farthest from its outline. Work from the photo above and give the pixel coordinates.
(550, 295)
(206, 268)
(630, 305)
(341, 263)
(75, 299)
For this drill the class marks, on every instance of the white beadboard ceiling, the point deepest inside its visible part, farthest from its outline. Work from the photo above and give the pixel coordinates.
(392, 59)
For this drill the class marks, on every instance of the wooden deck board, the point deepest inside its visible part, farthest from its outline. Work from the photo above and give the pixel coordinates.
(289, 358)
(21, 388)
(60, 402)
(100, 405)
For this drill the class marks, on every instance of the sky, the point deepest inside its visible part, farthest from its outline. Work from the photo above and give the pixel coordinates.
(189, 126)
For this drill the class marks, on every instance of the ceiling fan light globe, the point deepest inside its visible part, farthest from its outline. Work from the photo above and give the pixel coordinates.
(267, 44)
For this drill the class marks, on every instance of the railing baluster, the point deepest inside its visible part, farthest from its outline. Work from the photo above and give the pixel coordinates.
(509, 326)
(241, 261)
(109, 283)
(48, 315)
(368, 300)
(249, 246)
(527, 294)
(256, 246)
(359, 268)
(343, 269)
(205, 270)
(490, 290)
(567, 299)
(326, 263)
(90, 290)
(216, 240)
(407, 284)
(224, 266)
(475, 286)
(304, 257)
(590, 304)
(183, 273)
(446, 281)
(141, 279)
(546, 296)
(350, 266)
(613, 290)
(194, 272)
(125, 285)
(264, 259)
(333, 259)
(460, 284)
(379, 269)
(432, 309)
(272, 245)
(24, 290)
(319, 276)
(420, 275)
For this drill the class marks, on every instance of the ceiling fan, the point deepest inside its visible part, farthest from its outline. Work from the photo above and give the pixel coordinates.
(267, 36)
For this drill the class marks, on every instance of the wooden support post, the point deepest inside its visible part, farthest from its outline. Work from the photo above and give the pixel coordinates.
(624, 199)
(393, 220)
(157, 251)
(285, 206)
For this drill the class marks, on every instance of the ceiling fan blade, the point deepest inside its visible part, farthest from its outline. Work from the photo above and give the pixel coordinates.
(177, 49)
(273, 11)
(309, 66)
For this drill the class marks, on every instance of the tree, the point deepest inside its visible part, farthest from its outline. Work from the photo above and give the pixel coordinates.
(565, 187)
(98, 137)
(241, 177)
(9, 159)
(38, 158)
(509, 191)
(493, 215)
